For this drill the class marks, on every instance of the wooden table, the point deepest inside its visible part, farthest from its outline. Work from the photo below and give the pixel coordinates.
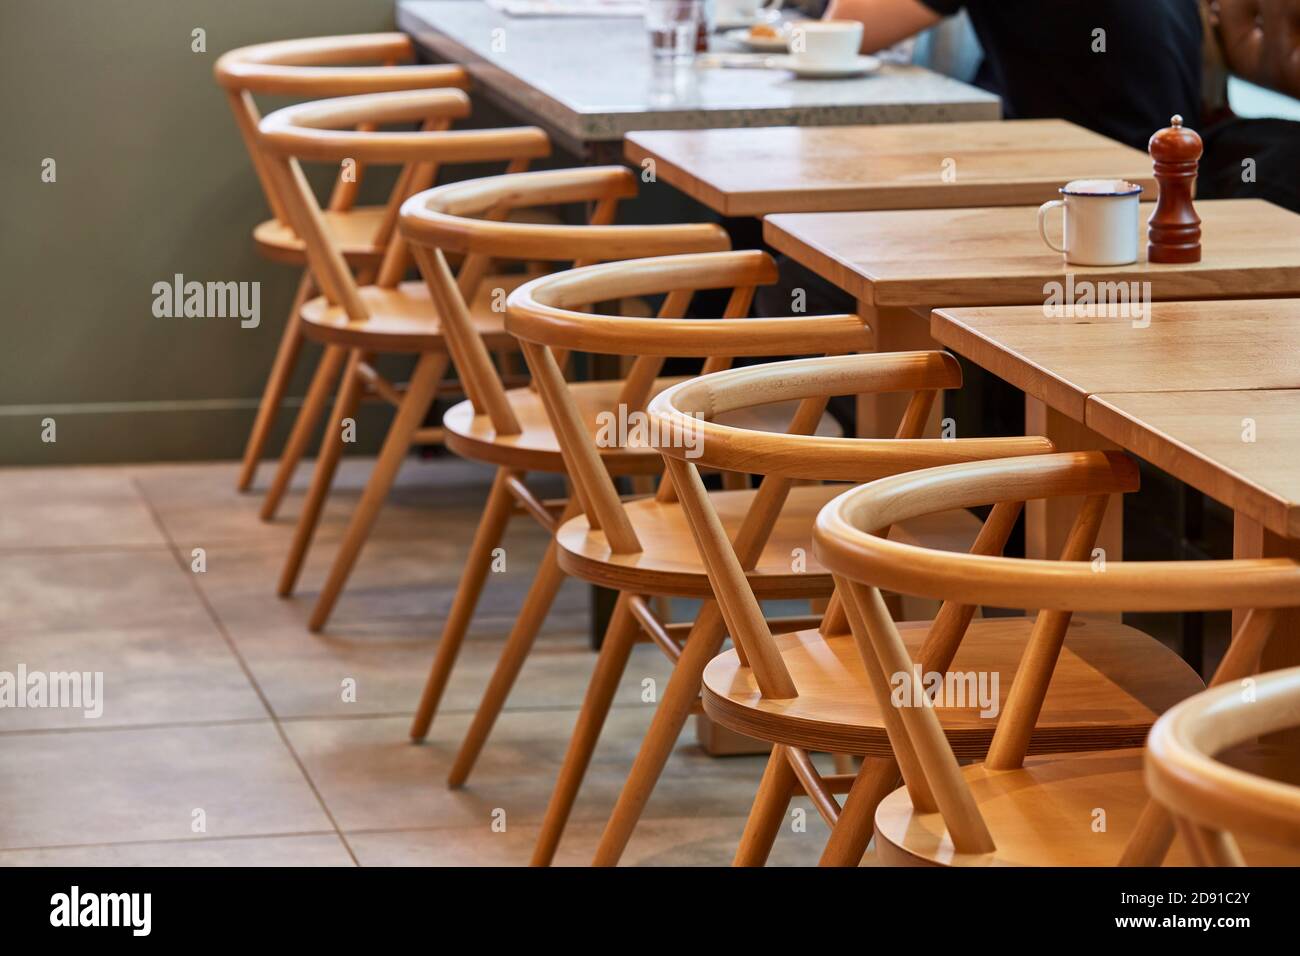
(589, 81)
(1204, 347)
(756, 172)
(1209, 392)
(1201, 438)
(1240, 447)
(994, 256)
(899, 265)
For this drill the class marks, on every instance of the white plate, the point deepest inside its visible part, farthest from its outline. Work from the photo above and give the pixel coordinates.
(762, 45)
(736, 24)
(858, 66)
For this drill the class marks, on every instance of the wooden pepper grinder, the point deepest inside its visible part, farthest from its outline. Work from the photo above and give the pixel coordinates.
(1174, 229)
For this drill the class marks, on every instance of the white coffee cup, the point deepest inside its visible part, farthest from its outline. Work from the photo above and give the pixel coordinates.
(1101, 222)
(825, 43)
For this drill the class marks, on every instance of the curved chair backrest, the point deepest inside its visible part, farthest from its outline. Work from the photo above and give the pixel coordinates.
(1209, 800)
(466, 218)
(689, 409)
(864, 562)
(324, 131)
(545, 315)
(317, 67)
(549, 311)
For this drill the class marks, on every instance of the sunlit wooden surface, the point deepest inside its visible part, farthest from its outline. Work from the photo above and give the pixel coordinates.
(755, 172)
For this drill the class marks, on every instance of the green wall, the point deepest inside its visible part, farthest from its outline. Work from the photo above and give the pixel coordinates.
(152, 179)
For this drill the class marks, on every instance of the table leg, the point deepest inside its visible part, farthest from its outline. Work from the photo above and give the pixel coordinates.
(1250, 539)
(894, 330)
(718, 741)
(1047, 523)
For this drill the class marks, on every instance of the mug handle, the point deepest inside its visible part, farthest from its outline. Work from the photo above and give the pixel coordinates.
(1043, 210)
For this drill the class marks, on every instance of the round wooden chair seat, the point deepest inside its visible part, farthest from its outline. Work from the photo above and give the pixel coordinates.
(403, 319)
(1110, 685)
(669, 562)
(535, 448)
(352, 231)
(1044, 814)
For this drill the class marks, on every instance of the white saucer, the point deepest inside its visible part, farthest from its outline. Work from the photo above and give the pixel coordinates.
(858, 66)
(761, 44)
(735, 24)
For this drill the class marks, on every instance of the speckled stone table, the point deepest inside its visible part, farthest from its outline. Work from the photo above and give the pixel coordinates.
(589, 81)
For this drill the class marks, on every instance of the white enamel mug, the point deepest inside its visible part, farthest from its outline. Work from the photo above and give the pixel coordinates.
(1101, 222)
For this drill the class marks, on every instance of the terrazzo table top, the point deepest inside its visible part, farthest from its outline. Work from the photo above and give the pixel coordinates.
(592, 80)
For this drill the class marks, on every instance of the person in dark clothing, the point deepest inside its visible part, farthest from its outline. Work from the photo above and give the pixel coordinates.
(1251, 159)
(1118, 67)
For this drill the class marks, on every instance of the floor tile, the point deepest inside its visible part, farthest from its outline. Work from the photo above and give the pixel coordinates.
(387, 661)
(178, 671)
(199, 506)
(372, 778)
(74, 508)
(79, 787)
(673, 841)
(184, 726)
(391, 579)
(322, 849)
(100, 589)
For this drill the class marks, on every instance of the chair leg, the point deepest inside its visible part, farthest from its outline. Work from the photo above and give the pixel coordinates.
(286, 357)
(683, 690)
(331, 449)
(877, 779)
(304, 425)
(491, 526)
(531, 617)
(420, 393)
(768, 811)
(620, 636)
(1151, 837)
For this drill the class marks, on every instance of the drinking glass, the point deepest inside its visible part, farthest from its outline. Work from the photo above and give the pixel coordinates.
(673, 26)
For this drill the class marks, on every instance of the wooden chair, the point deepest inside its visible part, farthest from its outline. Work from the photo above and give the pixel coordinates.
(389, 316)
(509, 428)
(1209, 800)
(311, 69)
(1016, 809)
(644, 547)
(808, 691)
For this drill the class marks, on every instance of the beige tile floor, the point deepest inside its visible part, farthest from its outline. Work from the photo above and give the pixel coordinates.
(225, 737)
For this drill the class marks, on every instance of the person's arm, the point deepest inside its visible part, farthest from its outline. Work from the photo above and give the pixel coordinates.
(886, 22)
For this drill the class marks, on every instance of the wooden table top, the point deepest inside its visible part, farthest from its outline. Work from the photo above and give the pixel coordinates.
(1200, 437)
(994, 256)
(754, 172)
(1187, 347)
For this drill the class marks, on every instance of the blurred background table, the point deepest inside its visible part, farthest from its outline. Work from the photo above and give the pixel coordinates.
(590, 81)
